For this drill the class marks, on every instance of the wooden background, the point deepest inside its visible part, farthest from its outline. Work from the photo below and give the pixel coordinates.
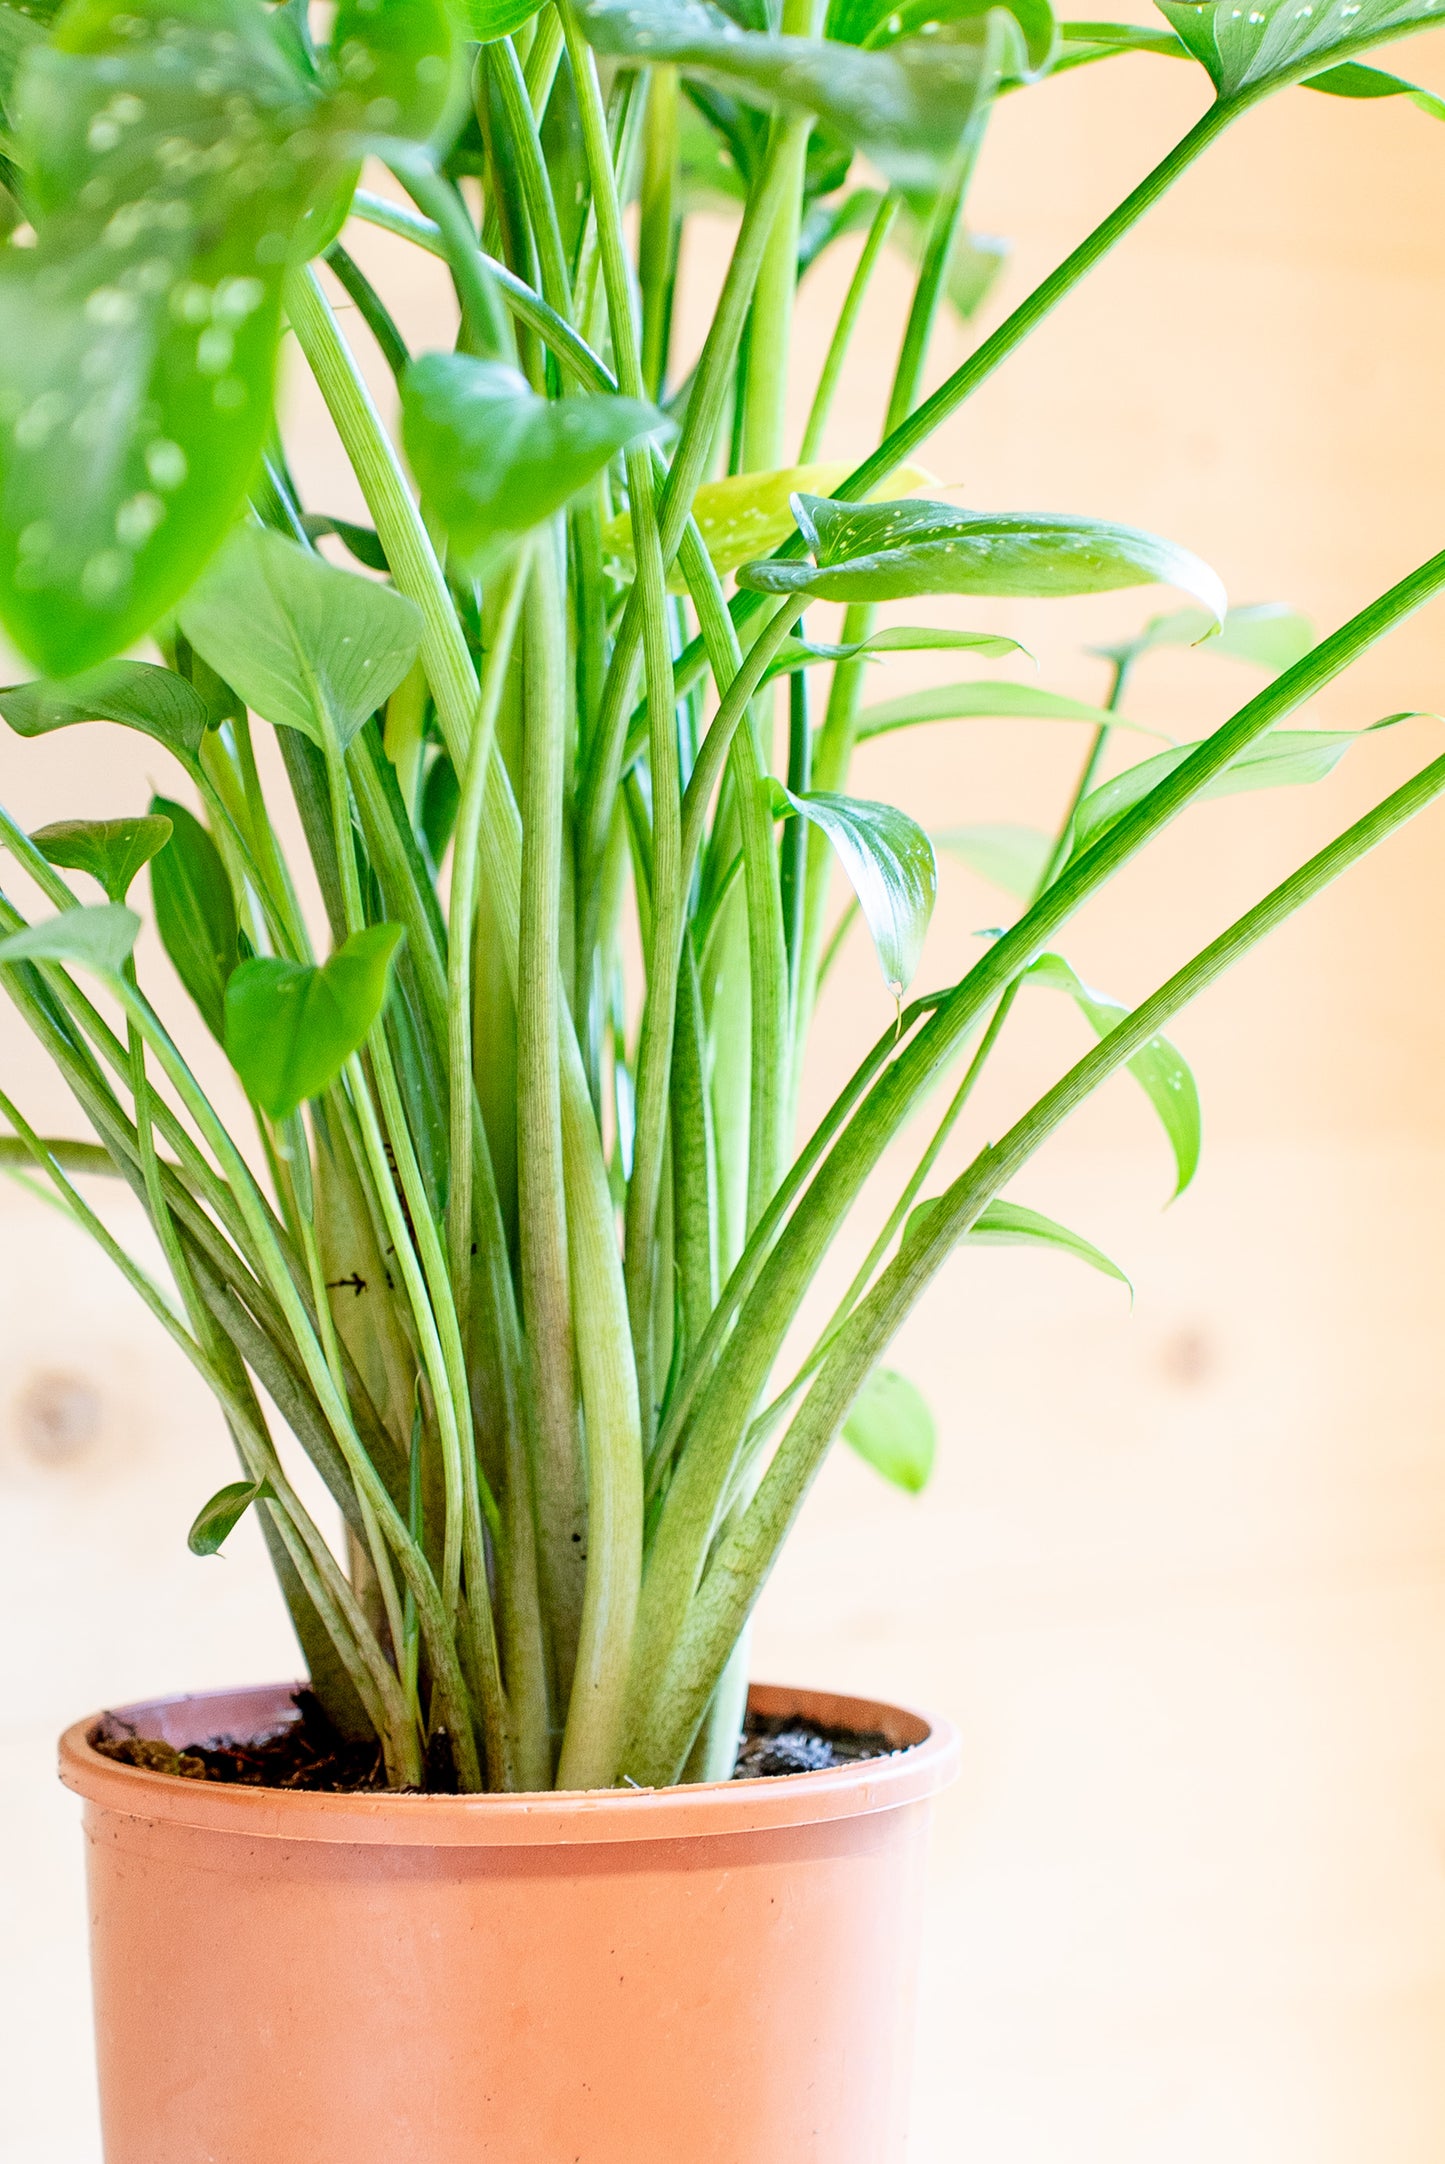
(1181, 1576)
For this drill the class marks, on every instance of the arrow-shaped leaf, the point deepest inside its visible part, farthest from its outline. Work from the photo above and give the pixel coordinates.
(291, 1027)
(495, 459)
(890, 862)
(111, 851)
(307, 645)
(887, 552)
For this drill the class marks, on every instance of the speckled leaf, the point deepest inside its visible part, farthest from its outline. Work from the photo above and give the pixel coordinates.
(890, 862)
(887, 552)
(1279, 41)
(135, 694)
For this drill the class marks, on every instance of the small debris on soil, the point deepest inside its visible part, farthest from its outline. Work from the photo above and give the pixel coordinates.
(303, 1753)
(308, 1753)
(777, 1743)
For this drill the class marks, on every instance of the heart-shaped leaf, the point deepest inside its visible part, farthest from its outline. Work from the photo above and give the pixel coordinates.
(1009, 1224)
(1160, 1069)
(494, 459)
(890, 862)
(291, 1027)
(135, 694)
(1280, 41)
(1012, 858)
(906, 108)
(195, 912)
(111, 851)
(891, 1427)
(987, 699)
(307, 645)
(216, 1520)
(1284, 758)
(99, 939)
(887, 552)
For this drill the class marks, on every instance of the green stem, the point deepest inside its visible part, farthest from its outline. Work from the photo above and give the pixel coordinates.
(884, 219)
(748, 1550)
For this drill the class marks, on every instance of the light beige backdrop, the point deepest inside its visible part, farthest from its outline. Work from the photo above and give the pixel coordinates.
(1181, 1576)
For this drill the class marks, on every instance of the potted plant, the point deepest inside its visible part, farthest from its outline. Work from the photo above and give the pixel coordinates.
(501, 870)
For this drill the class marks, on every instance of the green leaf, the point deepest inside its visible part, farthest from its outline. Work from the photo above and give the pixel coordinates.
(389, 69)
(138, 335)
(906, 108)
(217, 1520)
(1269, 634)
(986, 699)
(885, 552)
(797, 653)
(195, 913)
(1279, 41)
(135, 694)
(891, 1427)
(1013, 858)
(360, 541)
(1009, 1224)
(176, 163)
(290, 1027)
(486, 20)
(1282, 759)
(99, 939)
(1160, 1069)
(111, 851)
(878, 23)
(307, 645)
(746, 514)
(494, 459)
(1350, 80)
(890, 862)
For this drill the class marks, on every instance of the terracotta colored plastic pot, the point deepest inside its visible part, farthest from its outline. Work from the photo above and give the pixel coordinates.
(704, 1975)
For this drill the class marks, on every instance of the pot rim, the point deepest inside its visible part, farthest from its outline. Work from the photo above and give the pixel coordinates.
(927, 1759)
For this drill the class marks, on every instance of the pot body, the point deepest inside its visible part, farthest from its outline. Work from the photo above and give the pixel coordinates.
(704, 1975)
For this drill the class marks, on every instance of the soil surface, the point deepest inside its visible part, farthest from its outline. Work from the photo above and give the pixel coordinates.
(308, 1753)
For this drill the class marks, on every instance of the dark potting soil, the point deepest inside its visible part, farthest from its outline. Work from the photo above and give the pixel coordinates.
(308, 1753)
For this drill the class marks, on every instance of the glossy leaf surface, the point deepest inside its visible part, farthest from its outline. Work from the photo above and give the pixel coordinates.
(307, 645)
(746, 514)
(898, 639)
(195, 912)
(134, 694)
(110, 851)
(887, 552)
(889, 861)
(290, 1028)
(1160, 1069)
(1278, 41)
(99, 938)
(891, 1427)
(494, 458)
